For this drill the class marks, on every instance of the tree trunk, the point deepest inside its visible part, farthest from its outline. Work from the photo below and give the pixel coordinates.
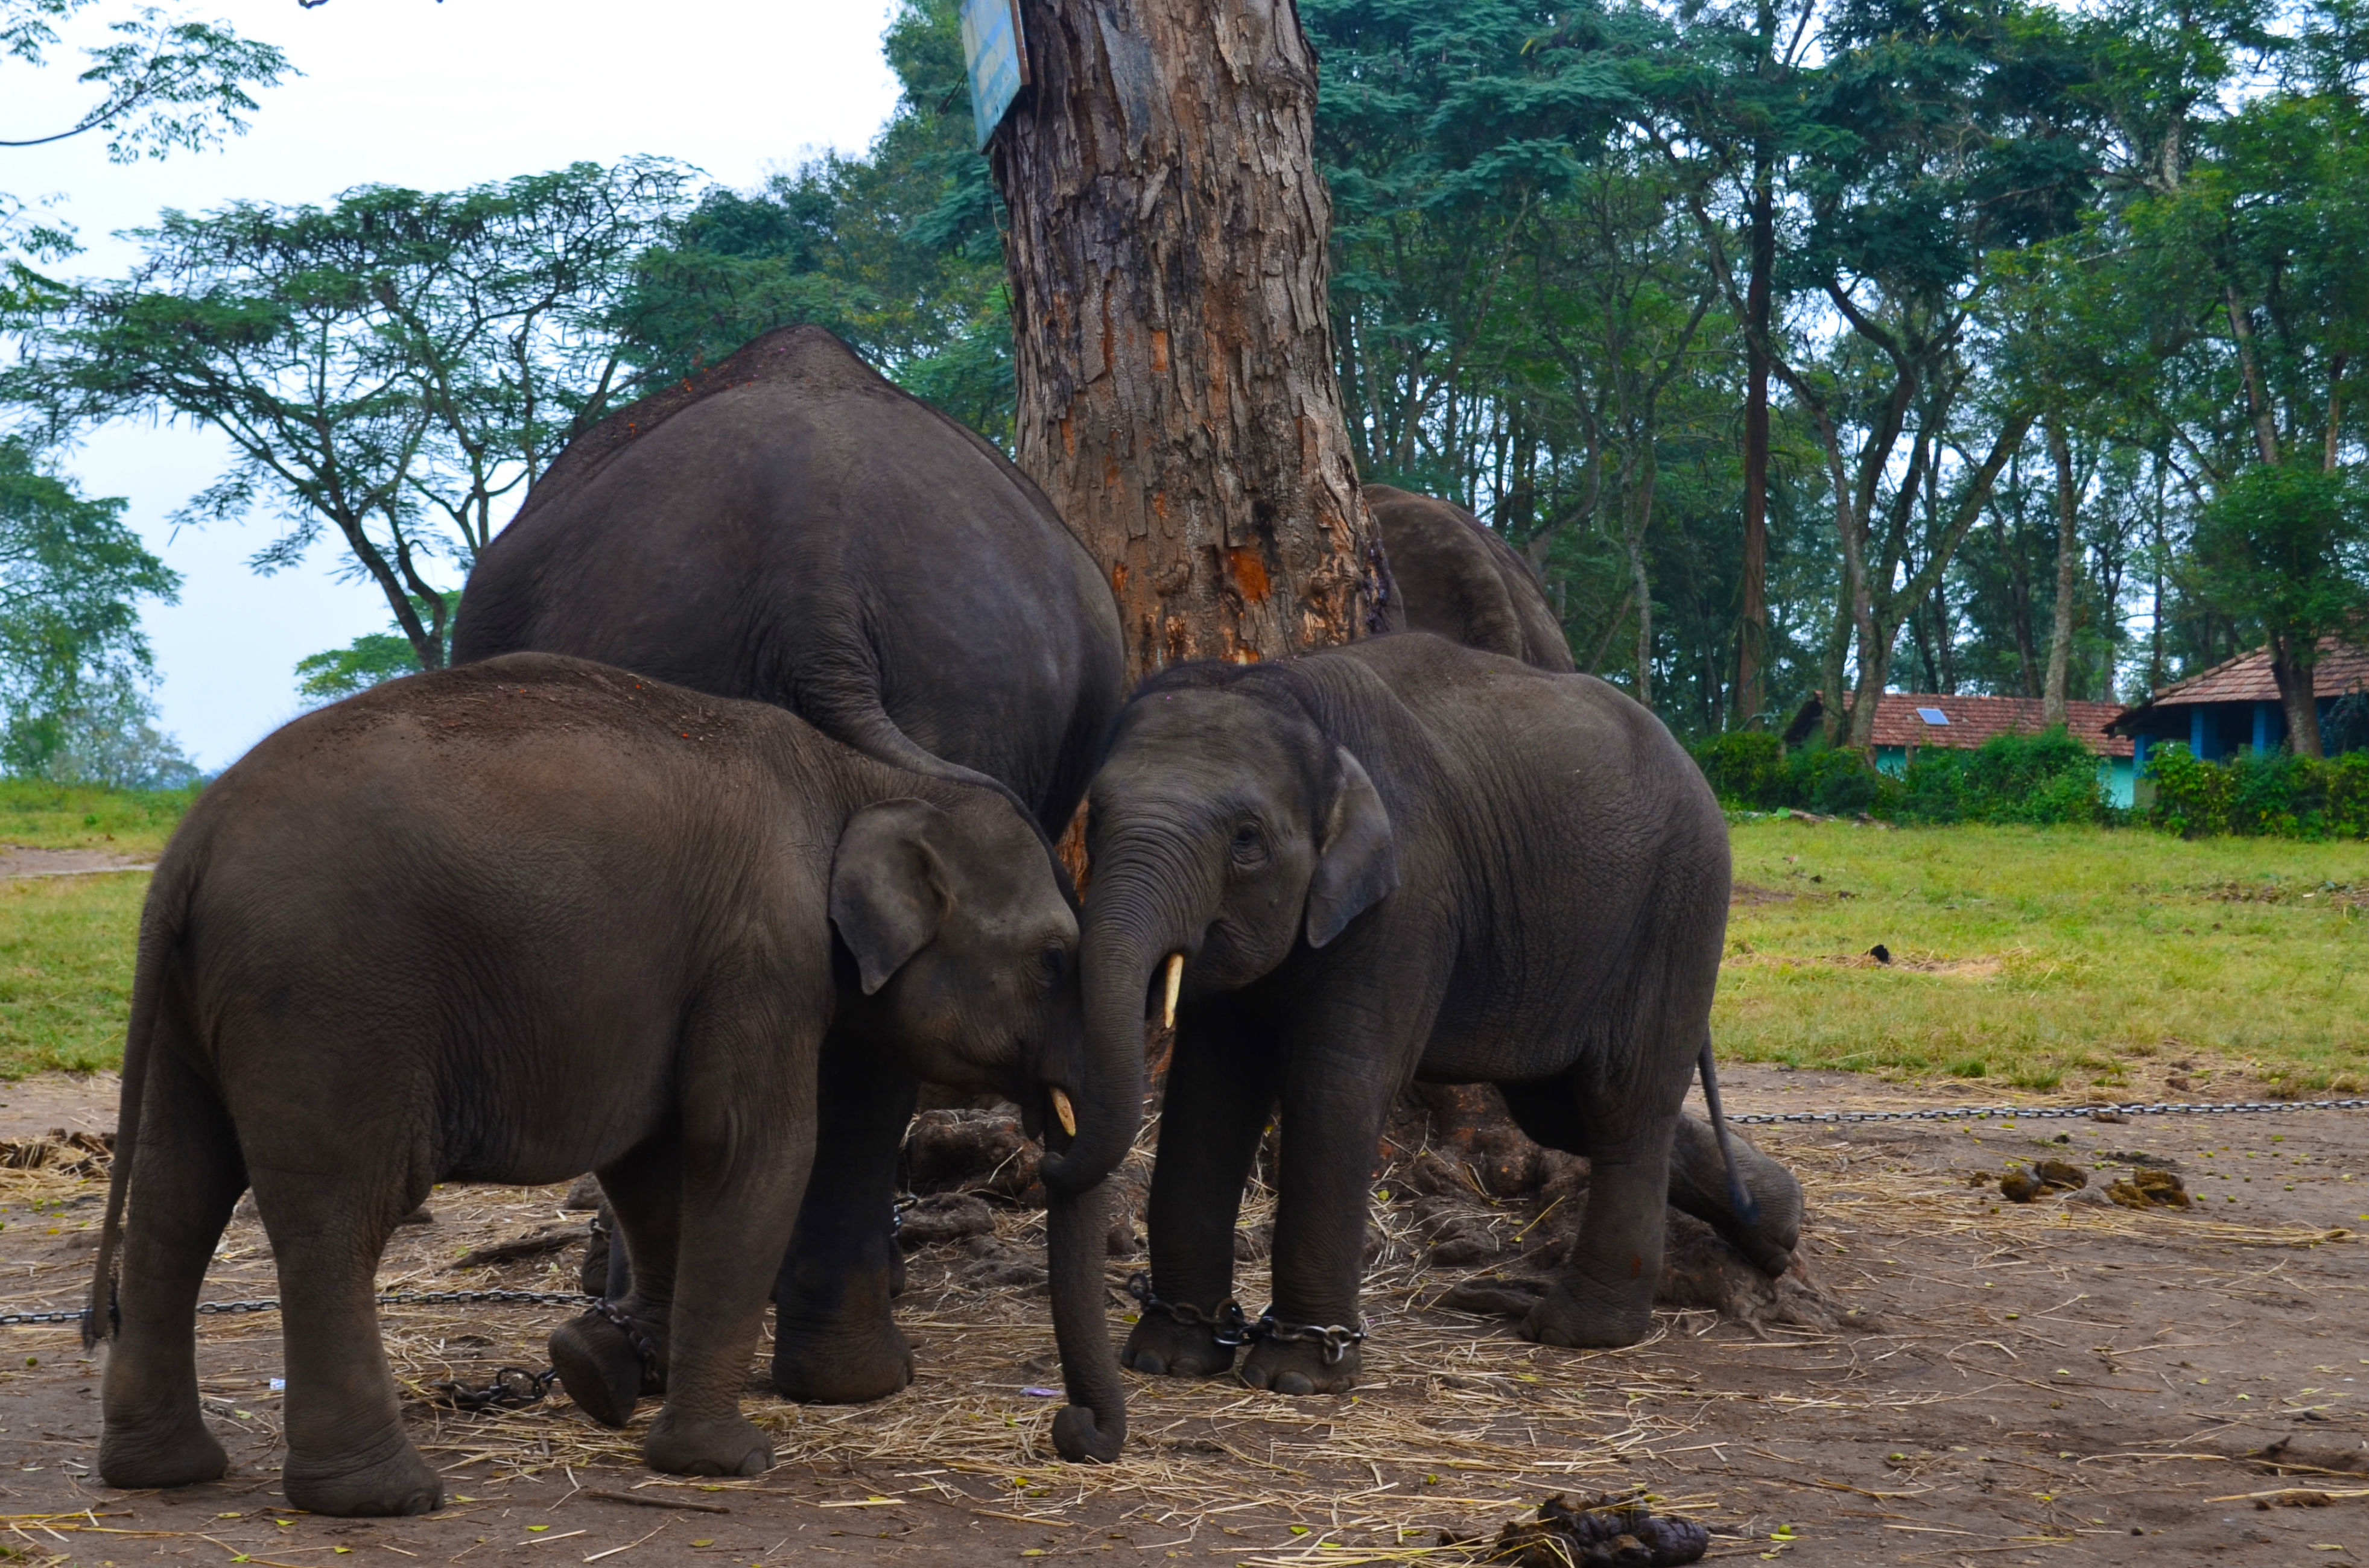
(2068, 558)
(2290, 665)
(1752, 622)
(1167, 259)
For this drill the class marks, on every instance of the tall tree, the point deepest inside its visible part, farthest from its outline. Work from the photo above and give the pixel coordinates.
(388, 368)
(1175, 358)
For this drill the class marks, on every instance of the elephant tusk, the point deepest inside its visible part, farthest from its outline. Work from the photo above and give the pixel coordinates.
(1065, 1112)
(1175, 982)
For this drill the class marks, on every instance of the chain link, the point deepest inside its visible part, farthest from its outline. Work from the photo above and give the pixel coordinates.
(394, 1299)
(1227, 1322)
(1336, 1338)
(513, 1388)
(2043, 1113)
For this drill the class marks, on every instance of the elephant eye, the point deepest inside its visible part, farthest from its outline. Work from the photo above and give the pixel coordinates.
(1250, 844)
(1051, 965)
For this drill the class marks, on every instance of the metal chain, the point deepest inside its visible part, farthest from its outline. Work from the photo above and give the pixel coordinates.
(513, 1388)
(1336, 1338)
(394, 1299)
(1227, 1322)
(2042, 1113)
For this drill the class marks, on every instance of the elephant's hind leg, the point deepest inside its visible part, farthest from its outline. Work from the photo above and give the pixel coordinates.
(328, 1221)
(600, 1365)
(835, 1341)
(187, 1177)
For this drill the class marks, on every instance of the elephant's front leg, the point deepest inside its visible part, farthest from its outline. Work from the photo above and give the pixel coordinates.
(1332, 1114)
(835, 1341)
(746, 1156)
(1220, 1090)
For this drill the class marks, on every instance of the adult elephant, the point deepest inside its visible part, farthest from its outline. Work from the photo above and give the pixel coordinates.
(1459, 580)
(1403, 858)
(789, 527)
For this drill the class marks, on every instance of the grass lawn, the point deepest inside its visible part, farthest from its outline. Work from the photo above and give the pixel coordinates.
(2047, 957)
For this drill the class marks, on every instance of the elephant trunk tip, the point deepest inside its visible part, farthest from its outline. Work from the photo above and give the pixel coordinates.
(1081, 1437)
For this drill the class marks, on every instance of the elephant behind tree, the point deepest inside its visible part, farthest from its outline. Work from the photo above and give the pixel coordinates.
(510, 922)
(1403, 858)
(1458, 579)
(789, 527)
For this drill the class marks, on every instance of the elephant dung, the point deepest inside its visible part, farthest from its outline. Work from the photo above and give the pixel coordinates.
(2151, 1189)
(972, 1150)
(943, 1217)
(2022, 1185)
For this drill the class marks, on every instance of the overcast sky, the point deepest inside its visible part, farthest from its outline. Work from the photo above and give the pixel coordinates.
(414, 92)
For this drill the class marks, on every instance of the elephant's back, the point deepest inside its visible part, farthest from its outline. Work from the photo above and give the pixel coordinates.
(803, 522)
(1458, 579)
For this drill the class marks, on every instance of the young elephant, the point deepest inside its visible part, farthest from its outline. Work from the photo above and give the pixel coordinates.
(1402, 859)
(518, 920)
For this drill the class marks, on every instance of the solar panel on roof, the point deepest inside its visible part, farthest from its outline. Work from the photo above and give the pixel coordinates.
(1933, 716)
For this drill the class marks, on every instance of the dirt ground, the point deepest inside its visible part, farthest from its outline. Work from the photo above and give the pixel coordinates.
(2058, 1382)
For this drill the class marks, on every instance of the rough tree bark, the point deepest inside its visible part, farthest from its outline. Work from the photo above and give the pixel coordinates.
(2068, 561)
(1168, 266)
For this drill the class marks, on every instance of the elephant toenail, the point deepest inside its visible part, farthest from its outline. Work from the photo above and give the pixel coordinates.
(1294, 1383)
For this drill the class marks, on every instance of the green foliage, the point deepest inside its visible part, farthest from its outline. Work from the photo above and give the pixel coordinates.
(2262, 795)
(363, 662)
(73, 666)
(2046, 779)
(896, 251)
(387, 370)
(2285, 548)
(1745, 767)
(163, 84)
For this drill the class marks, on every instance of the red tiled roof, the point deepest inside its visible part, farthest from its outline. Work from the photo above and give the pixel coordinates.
(2343, 666)
(1974, 719)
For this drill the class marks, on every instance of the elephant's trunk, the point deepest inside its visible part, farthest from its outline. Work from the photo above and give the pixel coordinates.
(1076, 1229)
(1116, 958)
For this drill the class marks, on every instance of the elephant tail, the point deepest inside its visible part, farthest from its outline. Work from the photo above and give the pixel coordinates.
(1739, 1199)
(160, 932)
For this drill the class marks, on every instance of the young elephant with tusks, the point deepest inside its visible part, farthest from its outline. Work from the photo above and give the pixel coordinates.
(1404, 859)
(535, 915)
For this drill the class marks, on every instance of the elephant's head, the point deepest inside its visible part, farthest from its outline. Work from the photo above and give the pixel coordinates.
(1225, 826)
(965, 950)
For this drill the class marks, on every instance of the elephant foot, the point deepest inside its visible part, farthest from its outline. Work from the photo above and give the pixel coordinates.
(601, 1369)
(840, 1365)
(178, 1453)
(1588, 1318)
(725, 1446)
(394, 1482)
(1770, 1240)
(1161, 1346)
(1298, 1366)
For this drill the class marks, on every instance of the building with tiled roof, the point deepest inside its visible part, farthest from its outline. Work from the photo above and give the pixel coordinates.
(1906, 721)
(2235, 704)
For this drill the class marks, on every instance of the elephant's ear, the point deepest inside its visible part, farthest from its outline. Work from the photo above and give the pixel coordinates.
(887, 887)
(1357, 858)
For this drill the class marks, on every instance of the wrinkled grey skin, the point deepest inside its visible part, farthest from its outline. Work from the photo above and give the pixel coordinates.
(1458, 579)
(1402, 859)
(519, 920)
(790, 528)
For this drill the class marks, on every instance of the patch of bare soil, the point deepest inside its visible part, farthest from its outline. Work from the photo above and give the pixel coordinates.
(23, 860)
(2063, 1381)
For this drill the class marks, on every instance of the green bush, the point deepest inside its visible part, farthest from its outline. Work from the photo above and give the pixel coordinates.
(2259, 794)
(1746, 767)
(2047, 777)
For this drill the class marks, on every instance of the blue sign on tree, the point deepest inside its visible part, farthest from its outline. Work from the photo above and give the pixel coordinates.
(996, 59)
